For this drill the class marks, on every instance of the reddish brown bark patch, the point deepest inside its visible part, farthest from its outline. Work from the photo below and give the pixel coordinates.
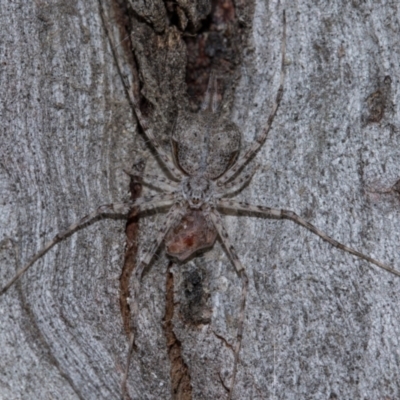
(132, 235)
(180, 377)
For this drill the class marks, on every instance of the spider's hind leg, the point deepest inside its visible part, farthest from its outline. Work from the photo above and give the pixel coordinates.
(145, 203)
(251, 152)
(290, 215)
(173, 217)
(217, 221)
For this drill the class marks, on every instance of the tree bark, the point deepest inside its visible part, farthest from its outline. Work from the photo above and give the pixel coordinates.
(319, 323)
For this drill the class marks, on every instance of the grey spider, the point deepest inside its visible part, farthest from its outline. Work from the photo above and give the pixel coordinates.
(205, 168)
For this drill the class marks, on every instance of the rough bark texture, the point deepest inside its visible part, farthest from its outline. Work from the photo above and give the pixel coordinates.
(319, 323)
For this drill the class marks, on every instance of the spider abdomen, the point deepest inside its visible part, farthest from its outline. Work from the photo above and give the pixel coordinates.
(192, 234)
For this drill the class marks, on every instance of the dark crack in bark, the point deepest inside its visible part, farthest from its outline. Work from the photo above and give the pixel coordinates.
(180, 376)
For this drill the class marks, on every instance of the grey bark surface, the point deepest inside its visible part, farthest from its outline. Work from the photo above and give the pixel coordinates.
(319, 323)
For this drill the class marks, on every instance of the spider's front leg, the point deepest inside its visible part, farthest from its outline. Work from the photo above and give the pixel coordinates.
(241, 161)
(133, 90)
(237, 184)
(223, 234)
(287, 214)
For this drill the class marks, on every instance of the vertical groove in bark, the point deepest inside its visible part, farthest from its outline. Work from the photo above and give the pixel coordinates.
(180, 377)
(132, 235)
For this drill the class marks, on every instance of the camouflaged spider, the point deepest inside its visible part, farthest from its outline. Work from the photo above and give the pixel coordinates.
(204, 166)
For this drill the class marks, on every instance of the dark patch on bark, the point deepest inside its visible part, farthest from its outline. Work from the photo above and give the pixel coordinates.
(217, 47)
(194, 309)
(377, 101)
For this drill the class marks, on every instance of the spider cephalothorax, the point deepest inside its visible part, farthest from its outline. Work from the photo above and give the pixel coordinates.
(197, 191)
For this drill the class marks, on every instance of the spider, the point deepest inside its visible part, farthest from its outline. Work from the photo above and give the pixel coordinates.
(204, 169)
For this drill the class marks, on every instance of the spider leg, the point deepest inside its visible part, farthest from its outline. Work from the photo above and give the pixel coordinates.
(219, 226)
(261, 139)
(237, 184)
(144, 203)
(162, 154)
(132, 88)
(287, 214)
(157, 182)
(173, 217)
